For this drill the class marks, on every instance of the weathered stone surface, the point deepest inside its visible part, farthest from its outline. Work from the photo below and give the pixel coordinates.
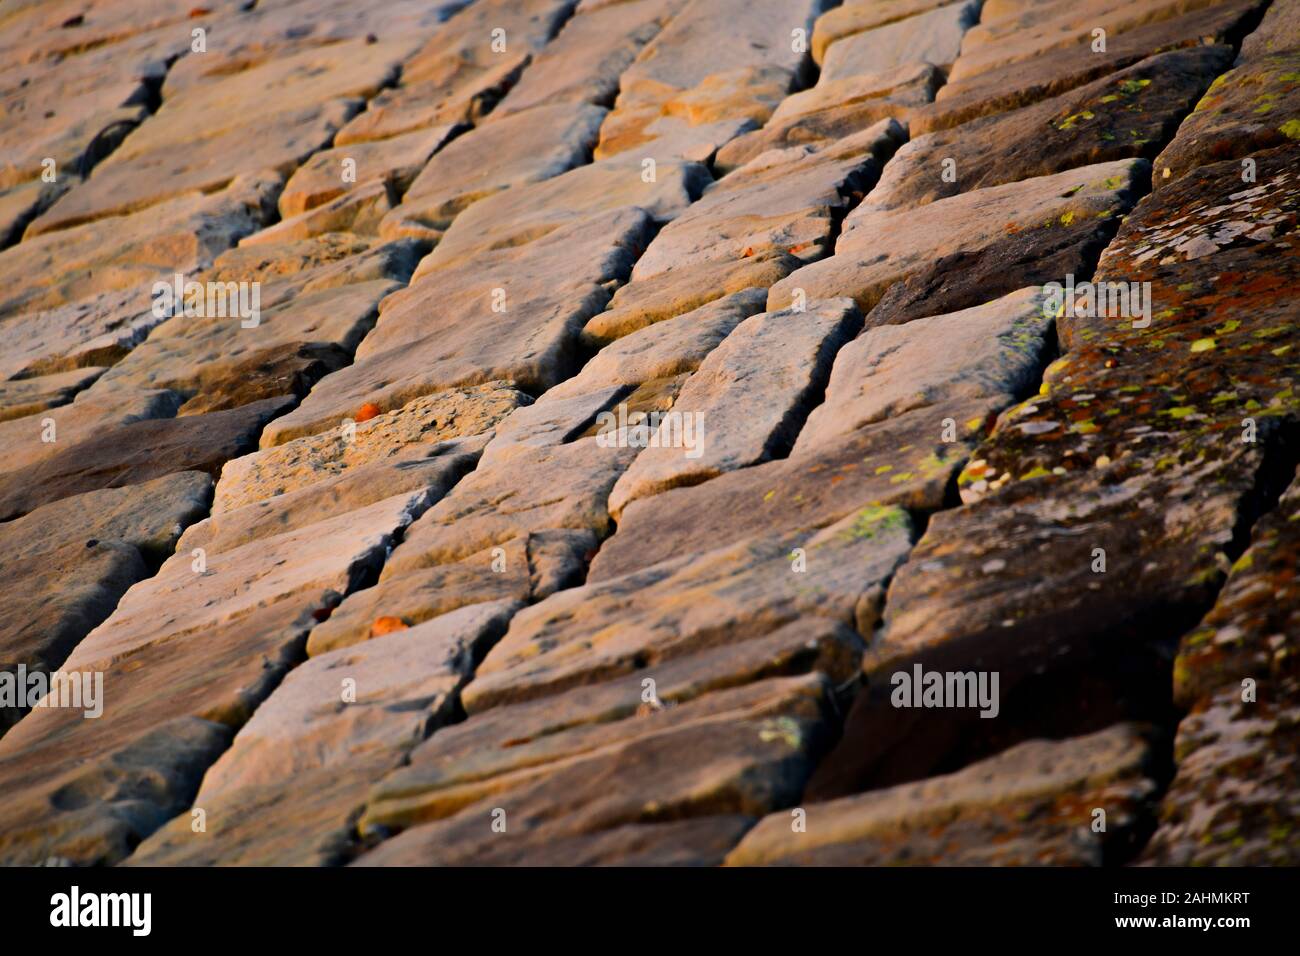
(1128, 113)
(555, 422)
(130, 181)
(417, 106)
(834, 109)
(932, 37)
(503, 741)
(585, 60)
(464, 589)
(359, 211)
(172, 709)
(525, 148)
(646, 367)
(65, 565)
(1252, 108)
(469, 549)
(785, 357)
(1279, 32)
(559, 488)
(1209, 213)
(1233, 801)
(719, 61)
(747, 752)
(27, 396)
(992, 352)
(458, 75)
(1040, 28)
(1131, 461)
(48, 30)
(129, 252)
(317, 726)
(893, 402)
(63, 118)
(310, 264)
(268, 118)
(684, 605)
(1056, 71)
(857, 16)
(503, 748)
(20, 204)
(1251, 630)
(295, 465)
(681, 290)
(97, 331)
(781, 202)
(960, 251)
(275, 30)
(430, 469)
(134, 453)
(311, 568)
(23, 438)
(615, 190)
(395, 162)
(437, 783)
(123, 791)
(555, 283)
(523, 215)
(1030, 806)
(199, 356)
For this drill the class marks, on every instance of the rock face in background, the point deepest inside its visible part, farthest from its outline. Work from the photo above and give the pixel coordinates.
(650, 432)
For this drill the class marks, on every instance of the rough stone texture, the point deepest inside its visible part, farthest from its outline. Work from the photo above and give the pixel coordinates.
(1250, 632)
(136, 452)
(520, 216)
(1030, 806)
(96, 331)
(892, 403)
(747, 759)
(783, 356)
(1056, 71)
(67, 564)
(713, 62)
(271, 117)
(394, 162)
(1128, 113)
(1233, 801)
(1036, 28)
(585, 60)
(834, 109)
(684, 605)
(24, 441)
(932, 37)
(203, 356)
(682, 290)
(1252, 108)
(527, 148)
(295, 465)
(973, 246)
(568, 208)
(129, 252)
(27, 396)
(1279, 32)
(475, 335)
(784, 201)
(430, 469)
(317, 728)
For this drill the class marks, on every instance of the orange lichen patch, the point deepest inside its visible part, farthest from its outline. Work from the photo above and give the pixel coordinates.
(387, 625)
